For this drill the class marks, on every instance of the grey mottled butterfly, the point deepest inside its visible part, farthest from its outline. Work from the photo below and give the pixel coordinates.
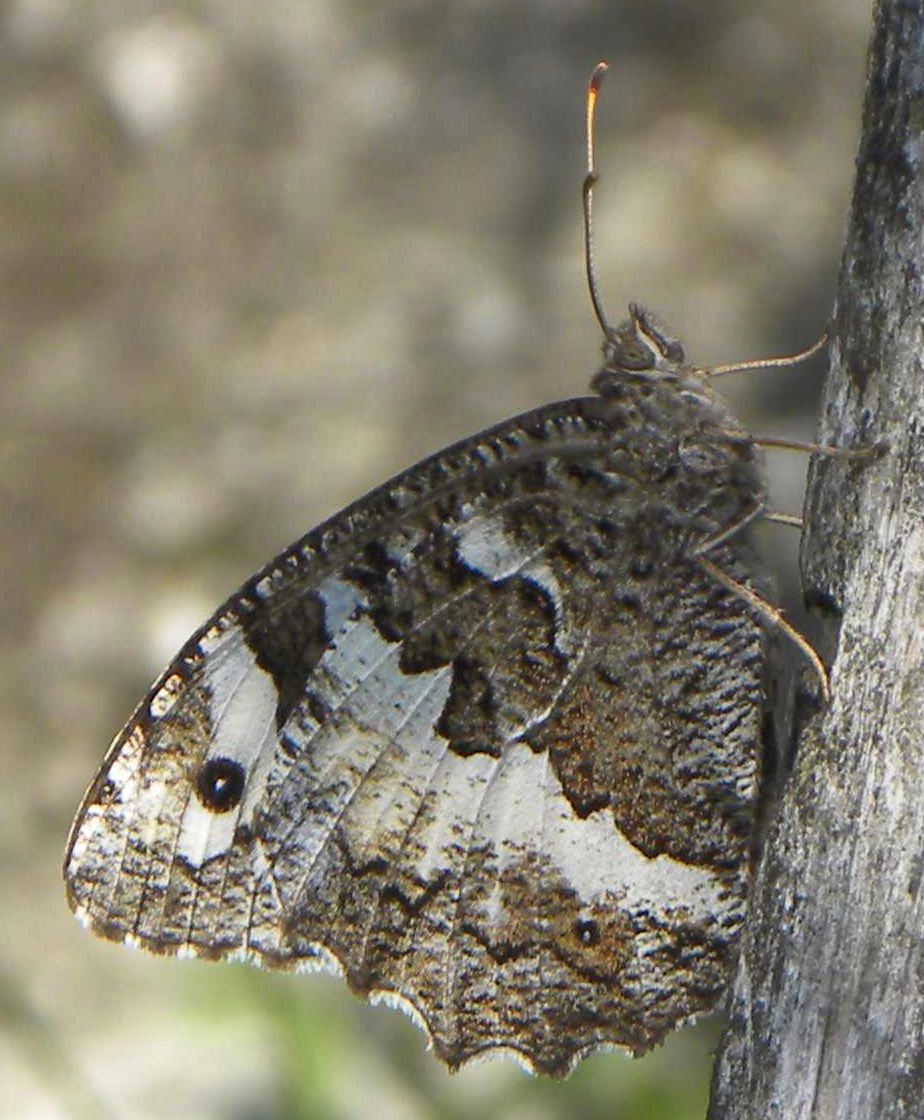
(487, 741)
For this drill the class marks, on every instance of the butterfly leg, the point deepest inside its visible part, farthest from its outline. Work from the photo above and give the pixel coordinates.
(773, 363)
(871, 451)
(767, 611)
(792, 519)
(771, 614)
(715, 539)
(711, 542)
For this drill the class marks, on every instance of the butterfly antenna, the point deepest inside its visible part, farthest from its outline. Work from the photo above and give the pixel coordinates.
(590, 181)
(773, 363)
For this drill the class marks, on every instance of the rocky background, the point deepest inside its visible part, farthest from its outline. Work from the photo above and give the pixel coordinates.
(255, 258)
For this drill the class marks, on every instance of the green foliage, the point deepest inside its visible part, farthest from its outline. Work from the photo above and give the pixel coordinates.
(339, 1058)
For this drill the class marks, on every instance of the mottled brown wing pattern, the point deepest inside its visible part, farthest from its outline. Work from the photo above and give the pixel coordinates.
(487, 741)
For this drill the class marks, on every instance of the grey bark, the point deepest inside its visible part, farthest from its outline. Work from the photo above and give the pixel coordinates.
(827, 1015)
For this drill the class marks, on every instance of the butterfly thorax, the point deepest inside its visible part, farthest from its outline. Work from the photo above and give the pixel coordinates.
(675, 437)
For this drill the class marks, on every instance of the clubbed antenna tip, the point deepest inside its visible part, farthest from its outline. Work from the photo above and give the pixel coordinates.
(590, 179)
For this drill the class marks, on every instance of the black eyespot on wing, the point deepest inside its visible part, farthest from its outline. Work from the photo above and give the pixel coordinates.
(220, 784)
(587, 931)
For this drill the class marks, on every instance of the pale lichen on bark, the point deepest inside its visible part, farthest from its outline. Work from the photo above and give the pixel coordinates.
(827, 1012)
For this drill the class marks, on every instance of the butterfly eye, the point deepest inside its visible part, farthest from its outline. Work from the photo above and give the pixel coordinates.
(632, 356)
(220, 784)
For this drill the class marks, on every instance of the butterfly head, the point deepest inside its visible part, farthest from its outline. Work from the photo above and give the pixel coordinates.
(639, 348)
(640, 345)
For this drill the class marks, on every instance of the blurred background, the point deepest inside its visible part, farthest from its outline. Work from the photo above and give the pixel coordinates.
(255, 258)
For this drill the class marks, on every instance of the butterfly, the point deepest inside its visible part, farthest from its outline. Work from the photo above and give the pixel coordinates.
(487, 742)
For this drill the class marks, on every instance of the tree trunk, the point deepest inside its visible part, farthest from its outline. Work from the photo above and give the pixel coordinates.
(827, 1015)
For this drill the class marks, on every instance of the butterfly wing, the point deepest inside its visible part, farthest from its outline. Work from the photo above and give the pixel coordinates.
(485, 742)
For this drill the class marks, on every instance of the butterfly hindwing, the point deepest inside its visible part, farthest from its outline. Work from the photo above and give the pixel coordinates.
(486, 741)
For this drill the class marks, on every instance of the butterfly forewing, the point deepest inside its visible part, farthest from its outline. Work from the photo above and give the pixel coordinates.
(486, 741)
